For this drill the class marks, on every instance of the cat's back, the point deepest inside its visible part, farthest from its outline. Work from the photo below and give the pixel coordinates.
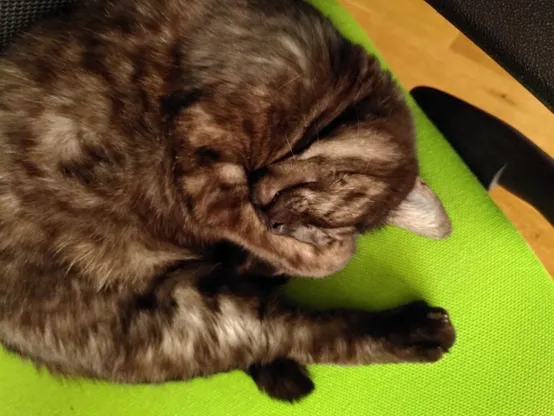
(81, 118)
(86, 168)
(80, 139)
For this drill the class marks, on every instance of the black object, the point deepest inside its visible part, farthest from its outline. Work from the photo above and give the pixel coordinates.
(18, 15)
(518, 34)
(494, 151)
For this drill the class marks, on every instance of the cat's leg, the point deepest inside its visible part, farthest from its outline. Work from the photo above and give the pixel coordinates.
(222, 209)
(412, 333)
(196, 326)
(292, 335)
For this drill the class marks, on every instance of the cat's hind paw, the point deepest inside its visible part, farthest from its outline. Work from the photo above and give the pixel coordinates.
(282, 379)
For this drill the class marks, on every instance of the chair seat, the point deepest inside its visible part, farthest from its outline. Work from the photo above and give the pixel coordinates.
(500, 298)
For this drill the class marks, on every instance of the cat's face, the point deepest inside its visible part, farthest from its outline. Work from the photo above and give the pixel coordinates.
(304, 212)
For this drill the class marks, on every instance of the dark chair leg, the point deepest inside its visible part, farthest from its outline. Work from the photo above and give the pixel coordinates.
(493, 150)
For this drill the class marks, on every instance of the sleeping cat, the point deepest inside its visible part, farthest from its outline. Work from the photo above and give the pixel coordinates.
(163, 163)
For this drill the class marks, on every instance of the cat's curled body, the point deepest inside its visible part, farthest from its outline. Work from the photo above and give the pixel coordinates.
(131, 137)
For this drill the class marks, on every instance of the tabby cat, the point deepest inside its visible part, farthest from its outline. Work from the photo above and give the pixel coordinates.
(164, 164)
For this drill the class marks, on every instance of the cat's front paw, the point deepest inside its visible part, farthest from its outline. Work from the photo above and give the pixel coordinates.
(418, 332)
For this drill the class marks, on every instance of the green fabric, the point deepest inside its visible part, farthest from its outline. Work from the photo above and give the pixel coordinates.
(500, 298)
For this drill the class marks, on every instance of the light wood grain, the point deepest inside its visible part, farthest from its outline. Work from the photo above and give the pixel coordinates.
(422, 48)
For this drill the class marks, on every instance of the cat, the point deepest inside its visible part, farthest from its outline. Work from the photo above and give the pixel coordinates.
(164, 164)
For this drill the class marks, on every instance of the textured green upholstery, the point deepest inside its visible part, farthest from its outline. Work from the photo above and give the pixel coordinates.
(500, 298)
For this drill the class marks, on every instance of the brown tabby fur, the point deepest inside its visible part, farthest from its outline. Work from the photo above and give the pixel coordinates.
(134, 136)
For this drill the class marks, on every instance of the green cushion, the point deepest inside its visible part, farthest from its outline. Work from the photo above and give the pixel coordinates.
(500, 298)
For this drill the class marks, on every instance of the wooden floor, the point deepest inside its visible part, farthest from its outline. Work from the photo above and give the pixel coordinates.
(422, 48)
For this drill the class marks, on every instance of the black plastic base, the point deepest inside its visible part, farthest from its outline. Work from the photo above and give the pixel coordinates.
(493, 150)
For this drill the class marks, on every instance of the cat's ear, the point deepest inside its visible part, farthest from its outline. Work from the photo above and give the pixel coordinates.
(422, 213)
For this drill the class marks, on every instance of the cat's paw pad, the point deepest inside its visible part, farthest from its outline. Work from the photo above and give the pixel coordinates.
(419, 332)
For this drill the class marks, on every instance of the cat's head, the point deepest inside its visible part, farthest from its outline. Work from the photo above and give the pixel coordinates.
(290, 87)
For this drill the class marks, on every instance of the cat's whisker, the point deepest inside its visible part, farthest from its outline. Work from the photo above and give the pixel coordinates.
(357, 122)
(290, 81)
(290, 146)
